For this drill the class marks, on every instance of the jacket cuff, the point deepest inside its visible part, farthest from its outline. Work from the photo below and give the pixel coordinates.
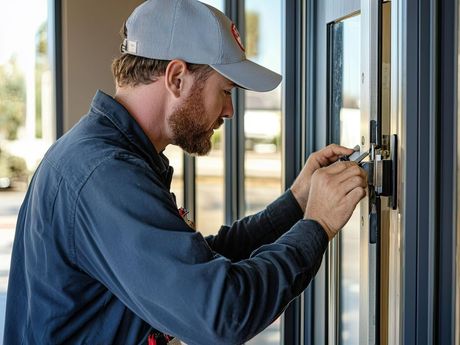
(309, 237)
(284, 212)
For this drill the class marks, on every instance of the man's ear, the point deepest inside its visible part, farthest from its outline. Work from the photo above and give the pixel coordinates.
(176, 77)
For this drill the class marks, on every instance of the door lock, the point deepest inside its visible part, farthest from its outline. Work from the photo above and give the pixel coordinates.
(382, 176)
(382, 172)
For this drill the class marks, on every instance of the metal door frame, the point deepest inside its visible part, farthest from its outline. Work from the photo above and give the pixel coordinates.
(424, 115)
(320, 13)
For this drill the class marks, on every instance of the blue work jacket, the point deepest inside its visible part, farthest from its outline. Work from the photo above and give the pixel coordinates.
(102, 256)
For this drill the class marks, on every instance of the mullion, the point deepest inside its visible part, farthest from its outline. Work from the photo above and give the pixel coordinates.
(293, 327)
(234, 134)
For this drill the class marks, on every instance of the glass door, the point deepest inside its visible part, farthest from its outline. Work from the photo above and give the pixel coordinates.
(353, 64)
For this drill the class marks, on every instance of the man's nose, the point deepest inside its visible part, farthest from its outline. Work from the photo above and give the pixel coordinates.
(227, 111)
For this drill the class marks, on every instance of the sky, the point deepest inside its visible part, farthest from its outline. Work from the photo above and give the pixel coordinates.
(352, 57)
(20, 21)
(269, 32)
(270, 12)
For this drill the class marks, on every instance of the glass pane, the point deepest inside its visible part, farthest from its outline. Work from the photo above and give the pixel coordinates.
(262, 121)
(219, 4)
(27, 126)
(210, 187)
(346, 126)
(176, 160)
(262, 118)
(210, 184)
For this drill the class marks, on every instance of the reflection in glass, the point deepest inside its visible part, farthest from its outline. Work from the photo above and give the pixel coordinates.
(262, 121)
(345, 130)
(27, 125)
(209, 181)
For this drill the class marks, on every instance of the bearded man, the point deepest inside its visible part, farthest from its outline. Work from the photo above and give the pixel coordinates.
(102, 254)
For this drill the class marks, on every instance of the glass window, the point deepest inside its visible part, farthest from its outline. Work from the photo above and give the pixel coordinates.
(219, 4)
(176, 160)
(263, 121)
(27, 125)
(263, 114)
(210, 184)
(345, 130)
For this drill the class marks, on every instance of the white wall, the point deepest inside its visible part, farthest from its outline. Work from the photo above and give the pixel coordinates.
(91, 39)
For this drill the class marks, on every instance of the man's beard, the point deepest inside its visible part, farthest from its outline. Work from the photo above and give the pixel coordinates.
(188, 125)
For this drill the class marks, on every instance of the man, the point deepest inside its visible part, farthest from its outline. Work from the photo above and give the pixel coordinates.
(102, 255)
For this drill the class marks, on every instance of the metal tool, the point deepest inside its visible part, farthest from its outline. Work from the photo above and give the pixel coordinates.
(356, 156)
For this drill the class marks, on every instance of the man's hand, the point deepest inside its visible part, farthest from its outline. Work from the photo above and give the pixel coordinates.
(301, 186)
(335, 191)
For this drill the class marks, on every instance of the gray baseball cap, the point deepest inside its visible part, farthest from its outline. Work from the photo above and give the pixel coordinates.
(196, 33)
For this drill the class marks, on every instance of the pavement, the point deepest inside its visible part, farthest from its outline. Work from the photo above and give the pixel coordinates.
(10, 203)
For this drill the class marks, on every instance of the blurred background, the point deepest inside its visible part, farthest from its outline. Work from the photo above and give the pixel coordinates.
(27, 119)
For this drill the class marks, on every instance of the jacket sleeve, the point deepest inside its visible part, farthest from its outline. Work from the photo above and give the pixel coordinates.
(129, 236)
(238, 241)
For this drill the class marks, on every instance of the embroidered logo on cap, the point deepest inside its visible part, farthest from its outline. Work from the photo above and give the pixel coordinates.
(237, 37)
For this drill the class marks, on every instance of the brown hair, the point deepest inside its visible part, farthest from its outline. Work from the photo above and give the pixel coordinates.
(132, 70)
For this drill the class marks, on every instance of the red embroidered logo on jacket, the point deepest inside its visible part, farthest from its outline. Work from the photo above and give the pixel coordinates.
(159, 339)
(184, 214)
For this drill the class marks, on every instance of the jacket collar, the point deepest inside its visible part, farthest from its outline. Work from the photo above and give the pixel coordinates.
(128, 126)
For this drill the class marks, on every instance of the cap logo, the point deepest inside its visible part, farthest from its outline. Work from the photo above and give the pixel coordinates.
(237, 37)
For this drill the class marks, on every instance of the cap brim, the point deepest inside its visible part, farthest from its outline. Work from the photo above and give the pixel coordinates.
(249, 75)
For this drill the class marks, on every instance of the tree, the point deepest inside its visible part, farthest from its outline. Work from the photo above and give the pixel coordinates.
(12, 99)
(41, 66)
(252, 34)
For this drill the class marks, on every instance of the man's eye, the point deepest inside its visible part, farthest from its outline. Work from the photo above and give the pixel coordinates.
(228, 92)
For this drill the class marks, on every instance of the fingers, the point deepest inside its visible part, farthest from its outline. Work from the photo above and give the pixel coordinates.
(334, 193)
(337, 150)
(344, 177)
(351, 171)
(352, 183)
(339, 167)
(331, 153)
(356, 195)
(325, 157)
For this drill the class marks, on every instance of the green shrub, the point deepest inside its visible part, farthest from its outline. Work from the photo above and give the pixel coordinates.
(12, 167)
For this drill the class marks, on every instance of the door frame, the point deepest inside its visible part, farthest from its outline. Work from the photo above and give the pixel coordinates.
(321, 13)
